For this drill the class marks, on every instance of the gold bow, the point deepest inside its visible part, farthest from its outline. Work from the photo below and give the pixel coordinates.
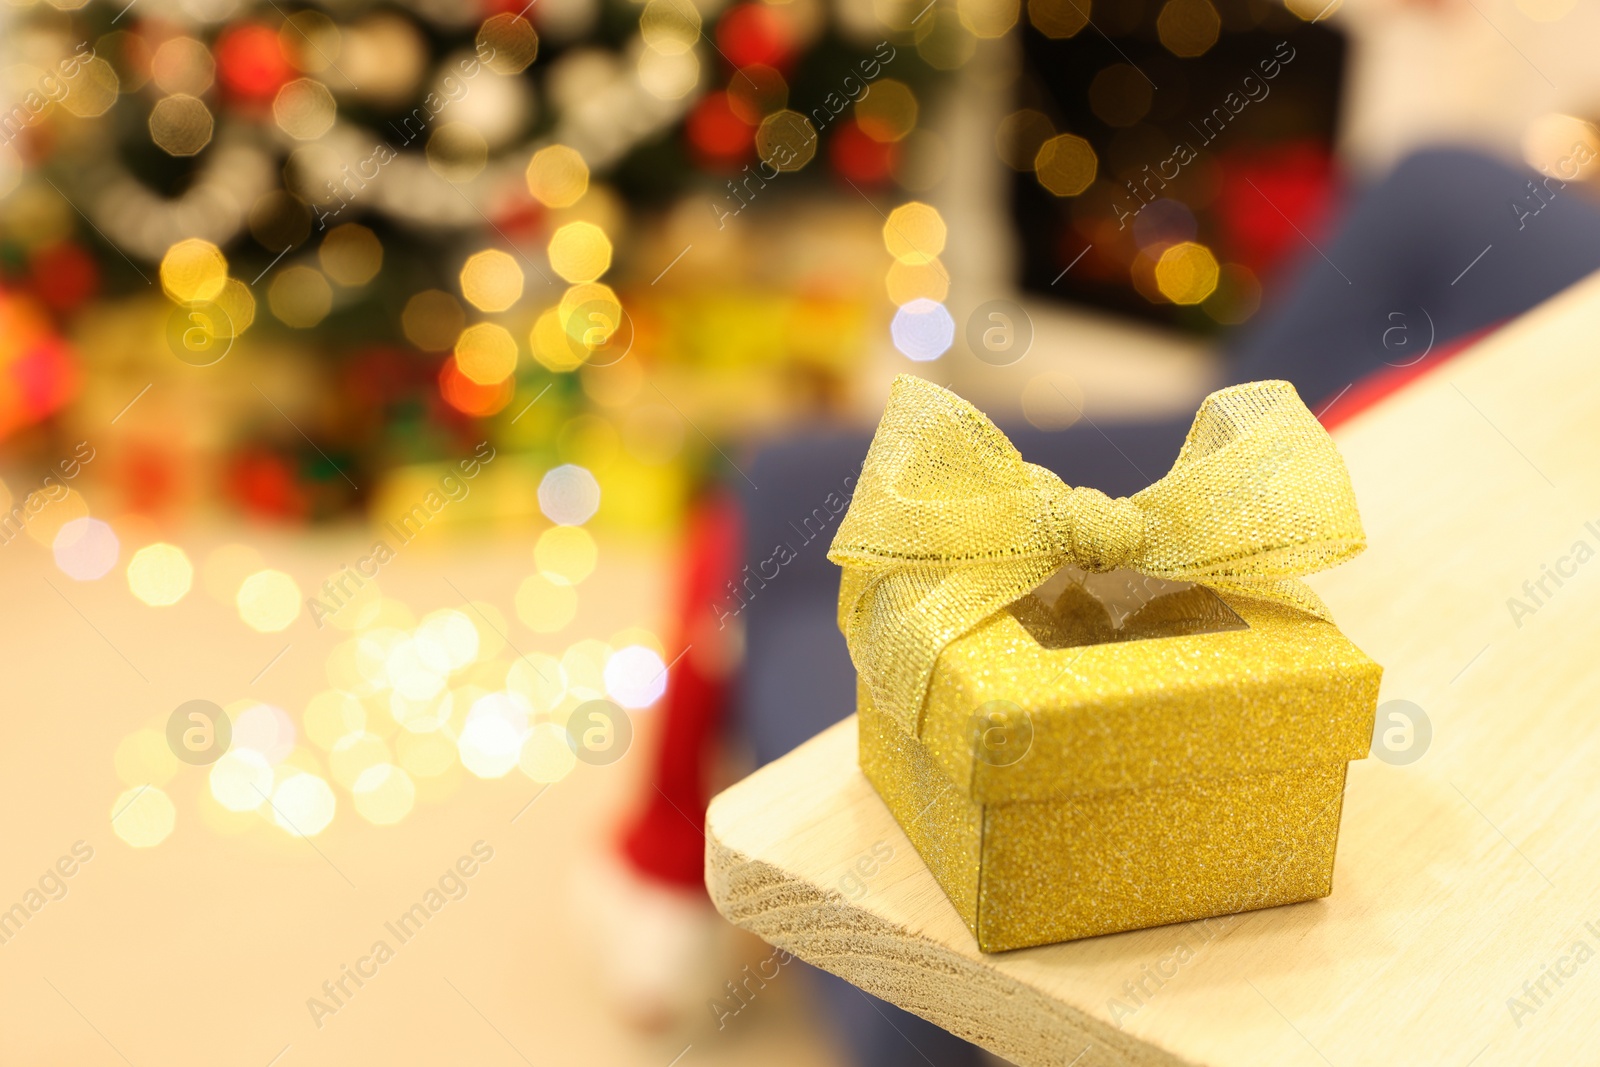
(948, 524)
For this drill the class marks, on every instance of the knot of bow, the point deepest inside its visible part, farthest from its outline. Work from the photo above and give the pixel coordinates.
(948, 524)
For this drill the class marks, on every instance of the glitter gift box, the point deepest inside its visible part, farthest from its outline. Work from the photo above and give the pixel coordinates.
(1114, 751)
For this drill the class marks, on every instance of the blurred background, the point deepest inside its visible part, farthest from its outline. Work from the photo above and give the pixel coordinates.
(388, 395)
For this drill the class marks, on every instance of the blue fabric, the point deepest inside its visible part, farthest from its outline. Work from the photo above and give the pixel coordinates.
(1400, 270)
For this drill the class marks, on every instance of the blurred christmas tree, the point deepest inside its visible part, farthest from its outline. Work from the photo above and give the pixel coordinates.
(386, 231)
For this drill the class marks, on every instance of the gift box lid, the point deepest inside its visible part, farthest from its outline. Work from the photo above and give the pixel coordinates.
(1115, 681)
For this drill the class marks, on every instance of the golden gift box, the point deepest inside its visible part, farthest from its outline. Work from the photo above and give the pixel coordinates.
(1090, 715)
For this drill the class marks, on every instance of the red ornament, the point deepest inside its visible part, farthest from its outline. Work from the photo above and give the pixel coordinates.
(64, 275)
(756, 33)
(250, 62)
(719, 137)
(859, 158)
(1295, 179)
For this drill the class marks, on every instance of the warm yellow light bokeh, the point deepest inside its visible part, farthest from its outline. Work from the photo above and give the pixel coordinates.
(557, 176)
(914, 234)
(513, 42)
(300, 297)
(580, 252)
(988, 19)
(551, 345)
(546, 756)
(1189, 28)
(304, 109)
(1058, 18)
(268, 601)
(917, 281)
(1066, 164)
(160, 574)
(432, 320)
(238, 306)
(888, 111)
(193, 271)
(143, 816)
(786, 140)
(351, 255)
(303, 805)
(566, 551)
(181, 125)
(486, 353)
(491, 280)
(1187, 273)
(92, 90)
(670, 26)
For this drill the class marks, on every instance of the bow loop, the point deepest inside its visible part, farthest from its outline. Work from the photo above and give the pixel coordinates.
(948, 524)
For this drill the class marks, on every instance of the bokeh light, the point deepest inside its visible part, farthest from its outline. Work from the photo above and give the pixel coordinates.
(92, 90)
(914, 233)
(144, 756)
(432, 320)
(303, 805)
(635, 676)
(491, 740)
(351, 255)
(1066, 164)
(988, 19)
(1019, 137)
(182, 65)
(670, 26)
(888, 111)
(580, 252)
(304, 109)
(906, 282)
(193, 271)
(1189, 28)
(511, 37)
(181, 125)
(1187, 273)
(300, 297)
(263, 728)
(486, 353)
(143, 816)
(569, 495)
(241, 780)
(923, 330)
(160, 574)
(86, 549)
(786, 140)
(268, 601)
(546, 754)
(557, 176)
(568, 552)
(491, 280)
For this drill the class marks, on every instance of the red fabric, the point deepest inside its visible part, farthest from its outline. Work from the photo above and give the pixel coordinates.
(1341, 408)
(666, 841)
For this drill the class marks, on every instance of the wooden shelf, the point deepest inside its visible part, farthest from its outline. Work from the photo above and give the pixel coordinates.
(1465, 881)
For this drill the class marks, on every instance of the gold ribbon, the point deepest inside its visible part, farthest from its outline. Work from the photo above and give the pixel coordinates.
(949, 524)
